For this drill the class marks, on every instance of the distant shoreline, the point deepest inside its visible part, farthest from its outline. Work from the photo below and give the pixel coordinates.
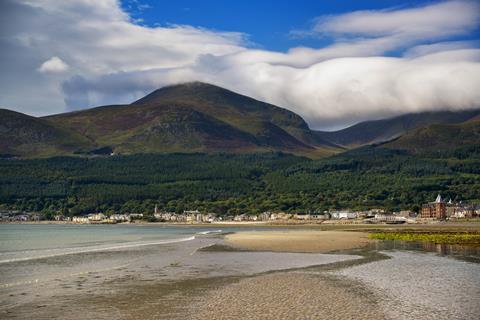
(434, 227)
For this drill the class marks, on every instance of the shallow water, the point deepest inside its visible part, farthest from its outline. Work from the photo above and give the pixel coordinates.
(47, 270)
(31, 240)
(45, 266)
(416, 285)
(466, 253)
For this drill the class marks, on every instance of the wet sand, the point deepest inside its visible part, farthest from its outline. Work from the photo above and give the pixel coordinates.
(287, 296)
(305, 293)
(297, 240)
(214, 285)
(415, 285)
(299, 294)
(165, 281)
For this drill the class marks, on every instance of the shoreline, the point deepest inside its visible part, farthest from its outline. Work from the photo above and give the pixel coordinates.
(314, 291)
(436, 224)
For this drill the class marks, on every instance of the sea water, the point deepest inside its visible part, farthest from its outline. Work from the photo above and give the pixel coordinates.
(53, 265)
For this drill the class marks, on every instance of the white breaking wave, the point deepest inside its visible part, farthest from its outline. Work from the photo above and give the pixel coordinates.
(98, 249)
(209, 232)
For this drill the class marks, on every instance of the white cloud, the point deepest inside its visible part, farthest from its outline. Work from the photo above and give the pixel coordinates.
(113, 60)
(433, 21)
(422, 50)
(53, 65)
(392, 29)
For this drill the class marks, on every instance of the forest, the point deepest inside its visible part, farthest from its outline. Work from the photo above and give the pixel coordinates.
(230, 184)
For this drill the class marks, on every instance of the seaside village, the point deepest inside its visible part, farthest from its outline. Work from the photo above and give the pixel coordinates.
(438, 210)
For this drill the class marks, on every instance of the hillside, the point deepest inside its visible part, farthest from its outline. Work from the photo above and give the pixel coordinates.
(230, 184)
(439, 138)
(195, 117)
(237, 110)
(199, 117)
(378, 131)
(23, 135)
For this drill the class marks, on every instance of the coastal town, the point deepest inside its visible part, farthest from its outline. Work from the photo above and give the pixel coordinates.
(438, 210)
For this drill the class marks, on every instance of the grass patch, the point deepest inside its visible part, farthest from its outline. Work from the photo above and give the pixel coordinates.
(446, 238)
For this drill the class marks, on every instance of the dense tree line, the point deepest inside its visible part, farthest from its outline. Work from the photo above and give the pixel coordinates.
(232, 184)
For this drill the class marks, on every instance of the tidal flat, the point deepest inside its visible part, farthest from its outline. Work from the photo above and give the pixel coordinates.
(153, 272)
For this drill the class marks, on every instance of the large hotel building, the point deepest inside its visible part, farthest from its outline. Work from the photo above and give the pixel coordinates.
(436, 209)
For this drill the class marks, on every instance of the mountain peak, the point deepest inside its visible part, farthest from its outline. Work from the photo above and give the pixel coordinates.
(194, 89)
(191, 85)
(186, 117)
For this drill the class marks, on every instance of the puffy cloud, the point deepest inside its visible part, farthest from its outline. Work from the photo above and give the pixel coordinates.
(113, 60)
(53, 65)
(427, 22)
(391, 29)
(422, 50)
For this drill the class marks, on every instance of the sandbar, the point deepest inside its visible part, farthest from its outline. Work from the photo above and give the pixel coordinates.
(312, 241)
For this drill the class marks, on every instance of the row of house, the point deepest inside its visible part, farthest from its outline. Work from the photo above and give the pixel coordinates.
(196, 216)
(18, 216)
(186, 216)
(438, 209)
(100, 218)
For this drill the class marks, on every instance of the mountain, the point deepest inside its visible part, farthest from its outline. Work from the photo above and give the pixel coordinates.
(439, 138)
(23, 135)
(191, 117)
(240, 111)
(378, 131)
(200, 117)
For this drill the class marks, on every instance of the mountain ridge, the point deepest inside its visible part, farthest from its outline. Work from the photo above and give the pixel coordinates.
(200, 117)
(438, 138)
(384, 130)
(192, 117)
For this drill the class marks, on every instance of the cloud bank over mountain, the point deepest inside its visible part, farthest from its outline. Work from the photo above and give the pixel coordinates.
(68, 55)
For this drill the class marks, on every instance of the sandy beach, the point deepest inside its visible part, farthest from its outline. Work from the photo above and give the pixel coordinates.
(262, 273)
(289, 295)
(297, 240)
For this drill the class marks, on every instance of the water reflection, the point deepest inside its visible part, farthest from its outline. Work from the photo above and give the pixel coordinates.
(468, 253)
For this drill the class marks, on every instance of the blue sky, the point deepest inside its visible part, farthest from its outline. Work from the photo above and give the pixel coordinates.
(267, 22)
(334, 63)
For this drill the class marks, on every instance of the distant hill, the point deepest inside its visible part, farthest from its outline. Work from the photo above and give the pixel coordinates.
(378, 131)
(199, 117)
(23, 135)
(191, 117)
(439, 138)
(195, 117)
(249, 115)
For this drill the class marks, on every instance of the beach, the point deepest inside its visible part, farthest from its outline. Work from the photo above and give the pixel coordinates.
(290, 295)
(297, 240)
(154, 272)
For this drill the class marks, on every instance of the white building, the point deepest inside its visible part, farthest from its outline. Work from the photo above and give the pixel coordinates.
(343, 215)
(119, 217)
(80, 220)
(96, 217)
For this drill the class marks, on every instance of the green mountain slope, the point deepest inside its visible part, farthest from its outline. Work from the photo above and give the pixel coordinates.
(199, 117)
(23, 135)
(230, 184)
(439, 138)
(233, 108)
(378, 131)
(195, 117)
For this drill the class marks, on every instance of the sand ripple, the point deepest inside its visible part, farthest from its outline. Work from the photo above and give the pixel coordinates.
(287, 296)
